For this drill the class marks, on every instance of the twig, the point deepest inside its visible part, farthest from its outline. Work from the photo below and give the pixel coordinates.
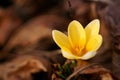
(79, 70)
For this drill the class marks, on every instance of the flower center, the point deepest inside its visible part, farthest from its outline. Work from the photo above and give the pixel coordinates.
(77, 51)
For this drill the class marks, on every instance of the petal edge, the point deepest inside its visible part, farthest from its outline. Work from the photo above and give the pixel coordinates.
(92, 28)
(94, 43)
(76, 34)
(88, 55)
(61, 39)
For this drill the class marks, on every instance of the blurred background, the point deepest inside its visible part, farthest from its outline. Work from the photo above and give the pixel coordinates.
(26, 43)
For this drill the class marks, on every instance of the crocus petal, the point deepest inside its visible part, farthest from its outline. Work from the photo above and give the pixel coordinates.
(94, 43)
(92, 28)
(61, 39)
(67, 54)
(88, 55)
(76, 34)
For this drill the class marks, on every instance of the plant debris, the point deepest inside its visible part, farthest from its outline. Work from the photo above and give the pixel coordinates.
(28, 52)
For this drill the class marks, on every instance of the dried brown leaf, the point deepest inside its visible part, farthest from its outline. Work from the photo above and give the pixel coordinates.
(9, 22)
(29, 66)
(91, 71)
(36, 31)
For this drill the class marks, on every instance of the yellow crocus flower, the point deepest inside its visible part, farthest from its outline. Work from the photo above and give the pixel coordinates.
(81, 43)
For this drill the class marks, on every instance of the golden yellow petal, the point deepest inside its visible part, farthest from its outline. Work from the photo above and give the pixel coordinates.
(94, 43)
(76, 34)
(92, 28)
(61, 39)
(67, 54)
(88, 55)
